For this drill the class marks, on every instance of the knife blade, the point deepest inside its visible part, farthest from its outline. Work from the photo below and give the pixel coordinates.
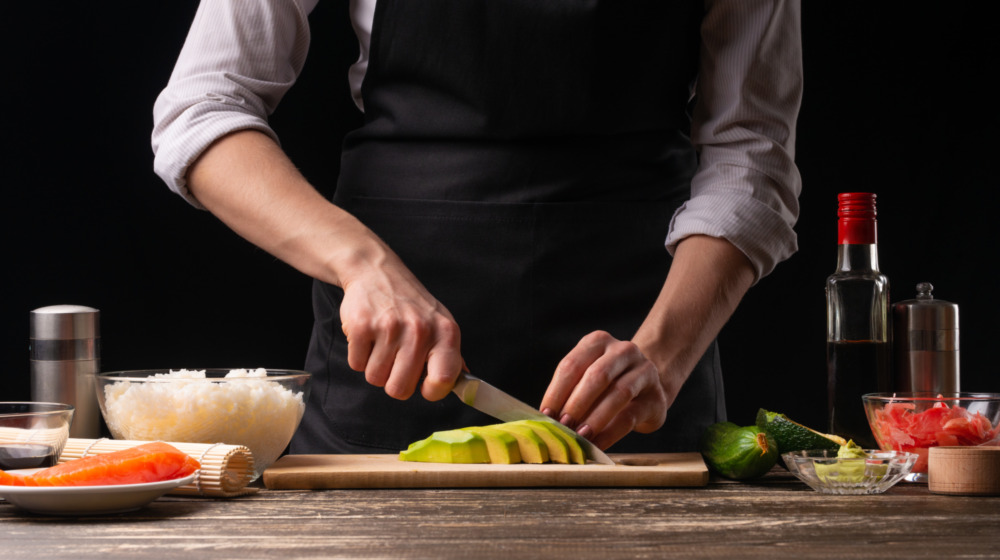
(486, 398)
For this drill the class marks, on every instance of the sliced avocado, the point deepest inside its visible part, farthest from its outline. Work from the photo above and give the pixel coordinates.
(792, 436)
(558, 448)
(502, 446)
(449, 446)
(532, 447)
(576, 453)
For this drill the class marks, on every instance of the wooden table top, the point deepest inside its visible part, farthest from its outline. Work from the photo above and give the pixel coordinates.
(775, 517)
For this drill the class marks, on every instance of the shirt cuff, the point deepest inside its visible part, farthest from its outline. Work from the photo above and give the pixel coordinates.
(178, 144)
(726, 214)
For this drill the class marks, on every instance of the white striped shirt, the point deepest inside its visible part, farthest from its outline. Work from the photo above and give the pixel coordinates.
(241, 56)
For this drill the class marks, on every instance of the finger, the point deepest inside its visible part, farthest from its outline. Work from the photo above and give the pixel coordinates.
(360, 342)
(408, 364)
(611, 402)
(444, 362)
(621, 426)
(629, 420)
(569, 372)
(383, 354)
(602, 378)
(636, 395)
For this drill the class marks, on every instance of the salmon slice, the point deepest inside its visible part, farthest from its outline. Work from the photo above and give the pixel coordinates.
(149, 462)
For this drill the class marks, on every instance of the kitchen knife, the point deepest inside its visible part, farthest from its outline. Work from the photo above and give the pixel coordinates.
(486, 398)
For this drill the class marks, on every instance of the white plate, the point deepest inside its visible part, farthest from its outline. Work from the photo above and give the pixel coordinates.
(87, 500)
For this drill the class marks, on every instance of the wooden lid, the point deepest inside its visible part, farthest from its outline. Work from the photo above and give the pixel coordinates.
(964, 470)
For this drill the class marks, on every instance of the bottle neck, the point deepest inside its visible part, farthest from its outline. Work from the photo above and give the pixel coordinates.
(857, 231)
(857, 257)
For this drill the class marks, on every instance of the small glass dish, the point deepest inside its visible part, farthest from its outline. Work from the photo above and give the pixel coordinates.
(875, 473)
(33, 434)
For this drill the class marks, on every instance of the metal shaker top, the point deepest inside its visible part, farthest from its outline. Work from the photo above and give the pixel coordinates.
(65, 332)
(927, 315)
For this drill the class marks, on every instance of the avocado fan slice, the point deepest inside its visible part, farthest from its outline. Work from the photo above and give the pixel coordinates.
(503, 447)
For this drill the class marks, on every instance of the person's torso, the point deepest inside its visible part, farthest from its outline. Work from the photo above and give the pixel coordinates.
(524, 158)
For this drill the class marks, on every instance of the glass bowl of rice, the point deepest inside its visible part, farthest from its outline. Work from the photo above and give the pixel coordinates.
(257, 408)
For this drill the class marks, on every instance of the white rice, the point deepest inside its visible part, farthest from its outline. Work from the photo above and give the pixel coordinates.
(249, 410)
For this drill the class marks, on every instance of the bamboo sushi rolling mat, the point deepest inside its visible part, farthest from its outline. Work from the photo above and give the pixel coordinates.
(225, 469)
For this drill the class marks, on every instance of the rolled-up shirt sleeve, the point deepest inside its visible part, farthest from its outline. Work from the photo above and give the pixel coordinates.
(239, 59)
(747, 100)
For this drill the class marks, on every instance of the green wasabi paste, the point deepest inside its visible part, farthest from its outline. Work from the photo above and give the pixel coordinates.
(850, 468)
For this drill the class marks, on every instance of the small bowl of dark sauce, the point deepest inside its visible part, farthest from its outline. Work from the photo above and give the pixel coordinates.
(32, 434)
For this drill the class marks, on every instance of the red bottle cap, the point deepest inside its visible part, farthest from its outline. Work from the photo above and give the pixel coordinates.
(856, 224)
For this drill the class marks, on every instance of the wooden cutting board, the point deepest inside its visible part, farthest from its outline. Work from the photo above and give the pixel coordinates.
(311, 472)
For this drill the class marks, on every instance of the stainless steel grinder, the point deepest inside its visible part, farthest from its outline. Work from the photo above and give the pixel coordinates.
(65, 357)
(925, 343)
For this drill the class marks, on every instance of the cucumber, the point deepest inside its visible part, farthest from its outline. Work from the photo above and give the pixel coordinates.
(738, 452)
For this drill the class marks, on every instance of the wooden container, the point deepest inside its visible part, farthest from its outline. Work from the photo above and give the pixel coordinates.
(971, 471)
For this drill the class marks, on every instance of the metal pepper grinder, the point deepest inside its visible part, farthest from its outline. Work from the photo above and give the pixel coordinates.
(925, 341)
(65, 357)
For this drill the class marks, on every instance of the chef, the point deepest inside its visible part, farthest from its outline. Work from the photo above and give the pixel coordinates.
(568, 198)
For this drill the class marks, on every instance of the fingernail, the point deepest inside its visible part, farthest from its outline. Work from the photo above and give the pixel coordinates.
(549, 412)
(566, 419)
(585, 431)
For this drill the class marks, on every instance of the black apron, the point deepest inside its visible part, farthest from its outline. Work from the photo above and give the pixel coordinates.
(524, 159)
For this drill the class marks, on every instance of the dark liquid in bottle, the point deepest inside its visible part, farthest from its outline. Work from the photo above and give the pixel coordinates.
(26, 456)
(853, 369)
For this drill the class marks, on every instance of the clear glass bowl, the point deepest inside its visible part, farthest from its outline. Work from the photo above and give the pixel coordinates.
(33, 434)
(875, 473)
(915, 422)
(260, 411)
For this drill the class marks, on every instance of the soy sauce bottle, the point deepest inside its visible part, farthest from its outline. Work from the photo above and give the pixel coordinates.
(858, 353)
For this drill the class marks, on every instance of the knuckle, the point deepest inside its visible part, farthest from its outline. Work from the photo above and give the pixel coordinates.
(418, 333)
(397, 391)
(448, 332)
(627, 420)
(597, 337)
(568, 364)
(623, 392)
(625, 348)
(605, 376)
(356, 362)
(388, 324)
(375, 376)
(355, 328)
(652, 424)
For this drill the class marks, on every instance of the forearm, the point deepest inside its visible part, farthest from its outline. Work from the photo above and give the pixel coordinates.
(707, 280)
(395, 328)
(250, 184)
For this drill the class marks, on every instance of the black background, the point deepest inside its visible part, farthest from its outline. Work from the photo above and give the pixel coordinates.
(897, 102)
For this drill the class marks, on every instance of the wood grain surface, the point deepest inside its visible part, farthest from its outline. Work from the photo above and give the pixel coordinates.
(775, 517)
(310, 472)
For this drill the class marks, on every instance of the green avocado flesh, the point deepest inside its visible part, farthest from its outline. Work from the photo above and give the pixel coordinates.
(525, 441)
(532, 447)
(450, 446)
(502, 447)
(574, 453)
